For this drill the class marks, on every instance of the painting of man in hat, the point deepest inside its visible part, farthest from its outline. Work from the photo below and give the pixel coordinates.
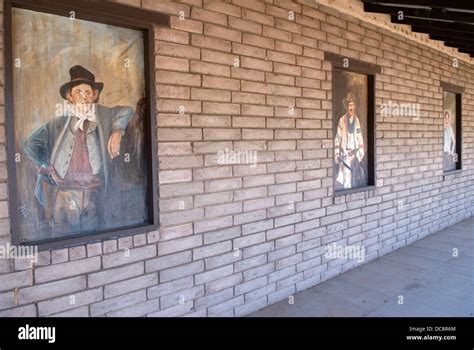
(73, 154)
(348, 143)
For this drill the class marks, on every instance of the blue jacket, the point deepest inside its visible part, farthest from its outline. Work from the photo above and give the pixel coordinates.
(45, 145)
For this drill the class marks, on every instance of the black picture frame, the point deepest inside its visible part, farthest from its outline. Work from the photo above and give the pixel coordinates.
(370, 70)
(458, 92)
(106, 13)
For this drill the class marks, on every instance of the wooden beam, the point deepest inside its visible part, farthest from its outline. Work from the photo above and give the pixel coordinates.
(450, 33)
(457, 27)
(457, 89)
(457, 4)
(431, 13)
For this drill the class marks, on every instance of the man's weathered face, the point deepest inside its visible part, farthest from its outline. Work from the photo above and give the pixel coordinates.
(82, 96)
(351, 108)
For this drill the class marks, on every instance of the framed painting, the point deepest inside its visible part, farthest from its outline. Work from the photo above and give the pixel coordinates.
(353, 96)
(80, 121)
(452, 127)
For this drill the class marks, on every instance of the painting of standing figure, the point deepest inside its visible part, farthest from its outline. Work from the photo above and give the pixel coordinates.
(450, 157)
(350, 130)
(78, 126)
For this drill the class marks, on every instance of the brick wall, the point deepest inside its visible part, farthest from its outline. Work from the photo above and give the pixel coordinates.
(235, 238)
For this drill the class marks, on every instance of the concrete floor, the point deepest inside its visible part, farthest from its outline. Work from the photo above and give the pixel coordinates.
(431, 281)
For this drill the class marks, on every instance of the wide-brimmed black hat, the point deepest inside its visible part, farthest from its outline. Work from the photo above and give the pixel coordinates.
(79, 75)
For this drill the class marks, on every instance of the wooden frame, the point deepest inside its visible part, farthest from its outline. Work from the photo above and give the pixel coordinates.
(106, 13)
(355, 66)
(457, 91)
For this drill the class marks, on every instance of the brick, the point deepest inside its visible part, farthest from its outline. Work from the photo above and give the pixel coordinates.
(221, 260)
(247, 74)
(180, 162)
(209, 69)
(212, 275)
(255, 40)
(179, 244)
(138, 310)
(258, 271)
(212, 173)
(208, 16)
(177, 50)
(77, 253)
(221, 134)
(51, 290)
(130, 285)
(223, 7)
(181, 271)
(208, 42)
(247, 50)
(167, 288)
(68, 269)
(114, 275)
(220, 83)
(59, 256)
(128, 256)
(221, 32)
(168, 134)
(244, 25)
(178, 78)
(172, 63)
(94, 249)
(257, 17)
(187, 25)
(211, 121)
(211, 250)
(172, 300)
(176, 36)
(256, 294)
(167, 261)
(20, 311)
(169, 7)
(7, 300)
(224, 283)
(212, 224)
(209, 95)
(109, 246)
(102, 307)
(74, 300)
(173, 176)
(221, 235)
(169, 233)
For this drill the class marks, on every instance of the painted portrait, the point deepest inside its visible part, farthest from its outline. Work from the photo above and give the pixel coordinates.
(450, 157)
(79, 106)
(350, 107)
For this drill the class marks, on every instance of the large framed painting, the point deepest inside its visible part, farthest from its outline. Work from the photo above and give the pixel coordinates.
(80, 121)
(353, 96)
(452, 124)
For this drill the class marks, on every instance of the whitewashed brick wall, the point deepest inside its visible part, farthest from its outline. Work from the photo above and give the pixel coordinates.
(238, 245)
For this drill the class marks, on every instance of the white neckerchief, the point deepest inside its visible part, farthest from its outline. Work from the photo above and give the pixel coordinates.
(90, 116)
